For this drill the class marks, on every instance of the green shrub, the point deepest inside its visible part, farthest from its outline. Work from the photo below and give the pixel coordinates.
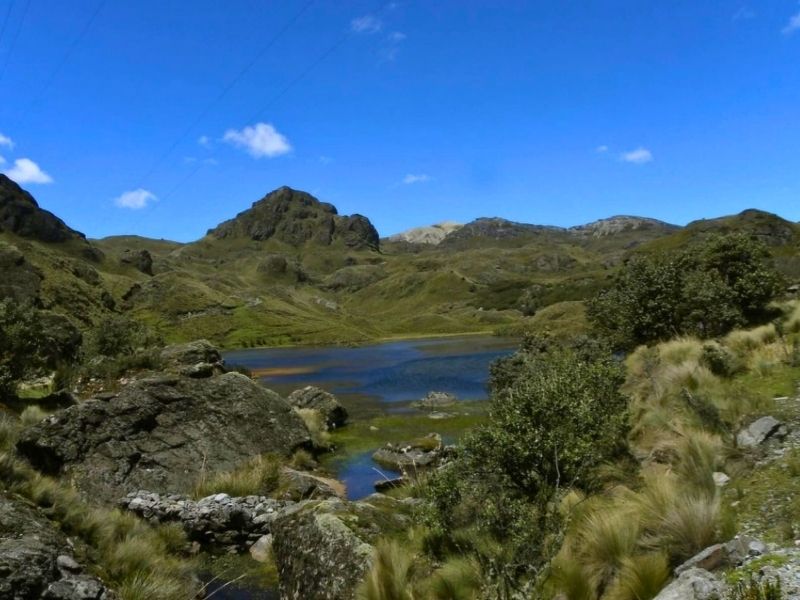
(754, 589)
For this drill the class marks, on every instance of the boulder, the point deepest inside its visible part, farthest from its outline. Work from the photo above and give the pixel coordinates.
(711, 558)
(300, 485)
(434, 400)
(193, 359)
(422, 453)
(142, 260)
(693, 584)
(163, 433)
(20, 281)
(323, 548)
(318, 399)
(759, 432)
(36, 560)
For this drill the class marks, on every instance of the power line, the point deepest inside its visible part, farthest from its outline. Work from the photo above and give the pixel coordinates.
(5, 21)
(14, 40)
(70, 50)
(224, 92)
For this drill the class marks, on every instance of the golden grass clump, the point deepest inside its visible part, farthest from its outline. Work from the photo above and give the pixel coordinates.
(793, 318)
(458, 579)
(681, 350)
(317, 428)
(641, 577)
(32, 415)
(745, 341)
(256, 477)
(390, 575)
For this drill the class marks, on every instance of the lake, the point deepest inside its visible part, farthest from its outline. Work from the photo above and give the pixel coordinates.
(379, 379)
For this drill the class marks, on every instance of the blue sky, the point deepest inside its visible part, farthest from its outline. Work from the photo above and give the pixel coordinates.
(163, 118)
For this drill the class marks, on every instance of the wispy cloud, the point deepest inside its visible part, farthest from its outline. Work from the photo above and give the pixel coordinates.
(392, 47)
(6, 141)
(601, 149)
(259, 140)
(366, 24)
(793, 24)
(27, 171)
(2, 160)
(325, 160)
(190, 160)
(204, 141)
(639, 156)
(412, 178)
(744, 13)
(135, 199)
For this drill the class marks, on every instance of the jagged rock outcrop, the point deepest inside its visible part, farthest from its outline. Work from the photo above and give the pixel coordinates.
(693, 584)
(163, 433)
(431, 235)
(622, 223)
(36, 561)
(495, 228)
(142, 260)
(295, 218)
(20, 214)
(324, 548)
(20, 281)
(354, 278)
(315, 398)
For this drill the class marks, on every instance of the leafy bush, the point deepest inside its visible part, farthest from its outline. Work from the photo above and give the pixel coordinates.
(705, 291)
(119, 335)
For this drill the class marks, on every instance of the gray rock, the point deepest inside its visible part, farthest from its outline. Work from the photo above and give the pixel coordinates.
(20, 281)
(318, 399)
(217, 521)
(163, 434)
(418, 454)
(720, 479)
(140, 259)
(435, 400)
(693, 584)
(261, 551)
(711, 558)
(300, 485)
(758, 432)
(35, 559)
(193, 359)
(323, 548)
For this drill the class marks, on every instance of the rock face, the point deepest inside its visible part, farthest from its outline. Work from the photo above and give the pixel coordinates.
(760, 431)
(318, 399)
(141, 259)
(163, 434)
(19, 280)
(295, 217)
(495, 228)
(323, 549)
(622, 223)
(36, 561)
(20, 214)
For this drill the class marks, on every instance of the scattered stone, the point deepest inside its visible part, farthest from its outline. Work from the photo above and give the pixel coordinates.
(384, 485)
(318, 399)
(720, 479)
(709, 559)
(436, 400)
(421, 453)
(218, 521)
(437, 416)
(300, 485)
(759, 432)
(693, 584)
(163, 433)
(261, 551)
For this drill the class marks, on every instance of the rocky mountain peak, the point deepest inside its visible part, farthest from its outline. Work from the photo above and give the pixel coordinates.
(295, 217)
(622, 223)
(430, 234)
(20, 214)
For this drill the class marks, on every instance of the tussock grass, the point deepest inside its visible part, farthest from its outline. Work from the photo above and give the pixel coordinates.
(641, 578)
(698, 455)
(572, 579)
(32, 415)
(458, 579)
(606, 539)
(390, 575)
(744, 341)
(317, 428)
(9, 432)
(681, 350)
(258, 476)
(150, 586)
(793, 318)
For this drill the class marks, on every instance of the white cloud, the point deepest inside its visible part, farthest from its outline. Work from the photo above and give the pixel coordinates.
(411, 178)
(6, 141)
(397, 37)
(135, 199)
(366, 24)
(639, 156)
(27, 171)
(793, 25)
(260, 140)
(601, 149)
(2, 160)
(393, 41)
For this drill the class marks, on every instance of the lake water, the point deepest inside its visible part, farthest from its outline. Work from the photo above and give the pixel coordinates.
(378, 379)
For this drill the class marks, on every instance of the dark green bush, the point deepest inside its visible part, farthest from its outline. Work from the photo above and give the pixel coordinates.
(707, 290)
(720, 361)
